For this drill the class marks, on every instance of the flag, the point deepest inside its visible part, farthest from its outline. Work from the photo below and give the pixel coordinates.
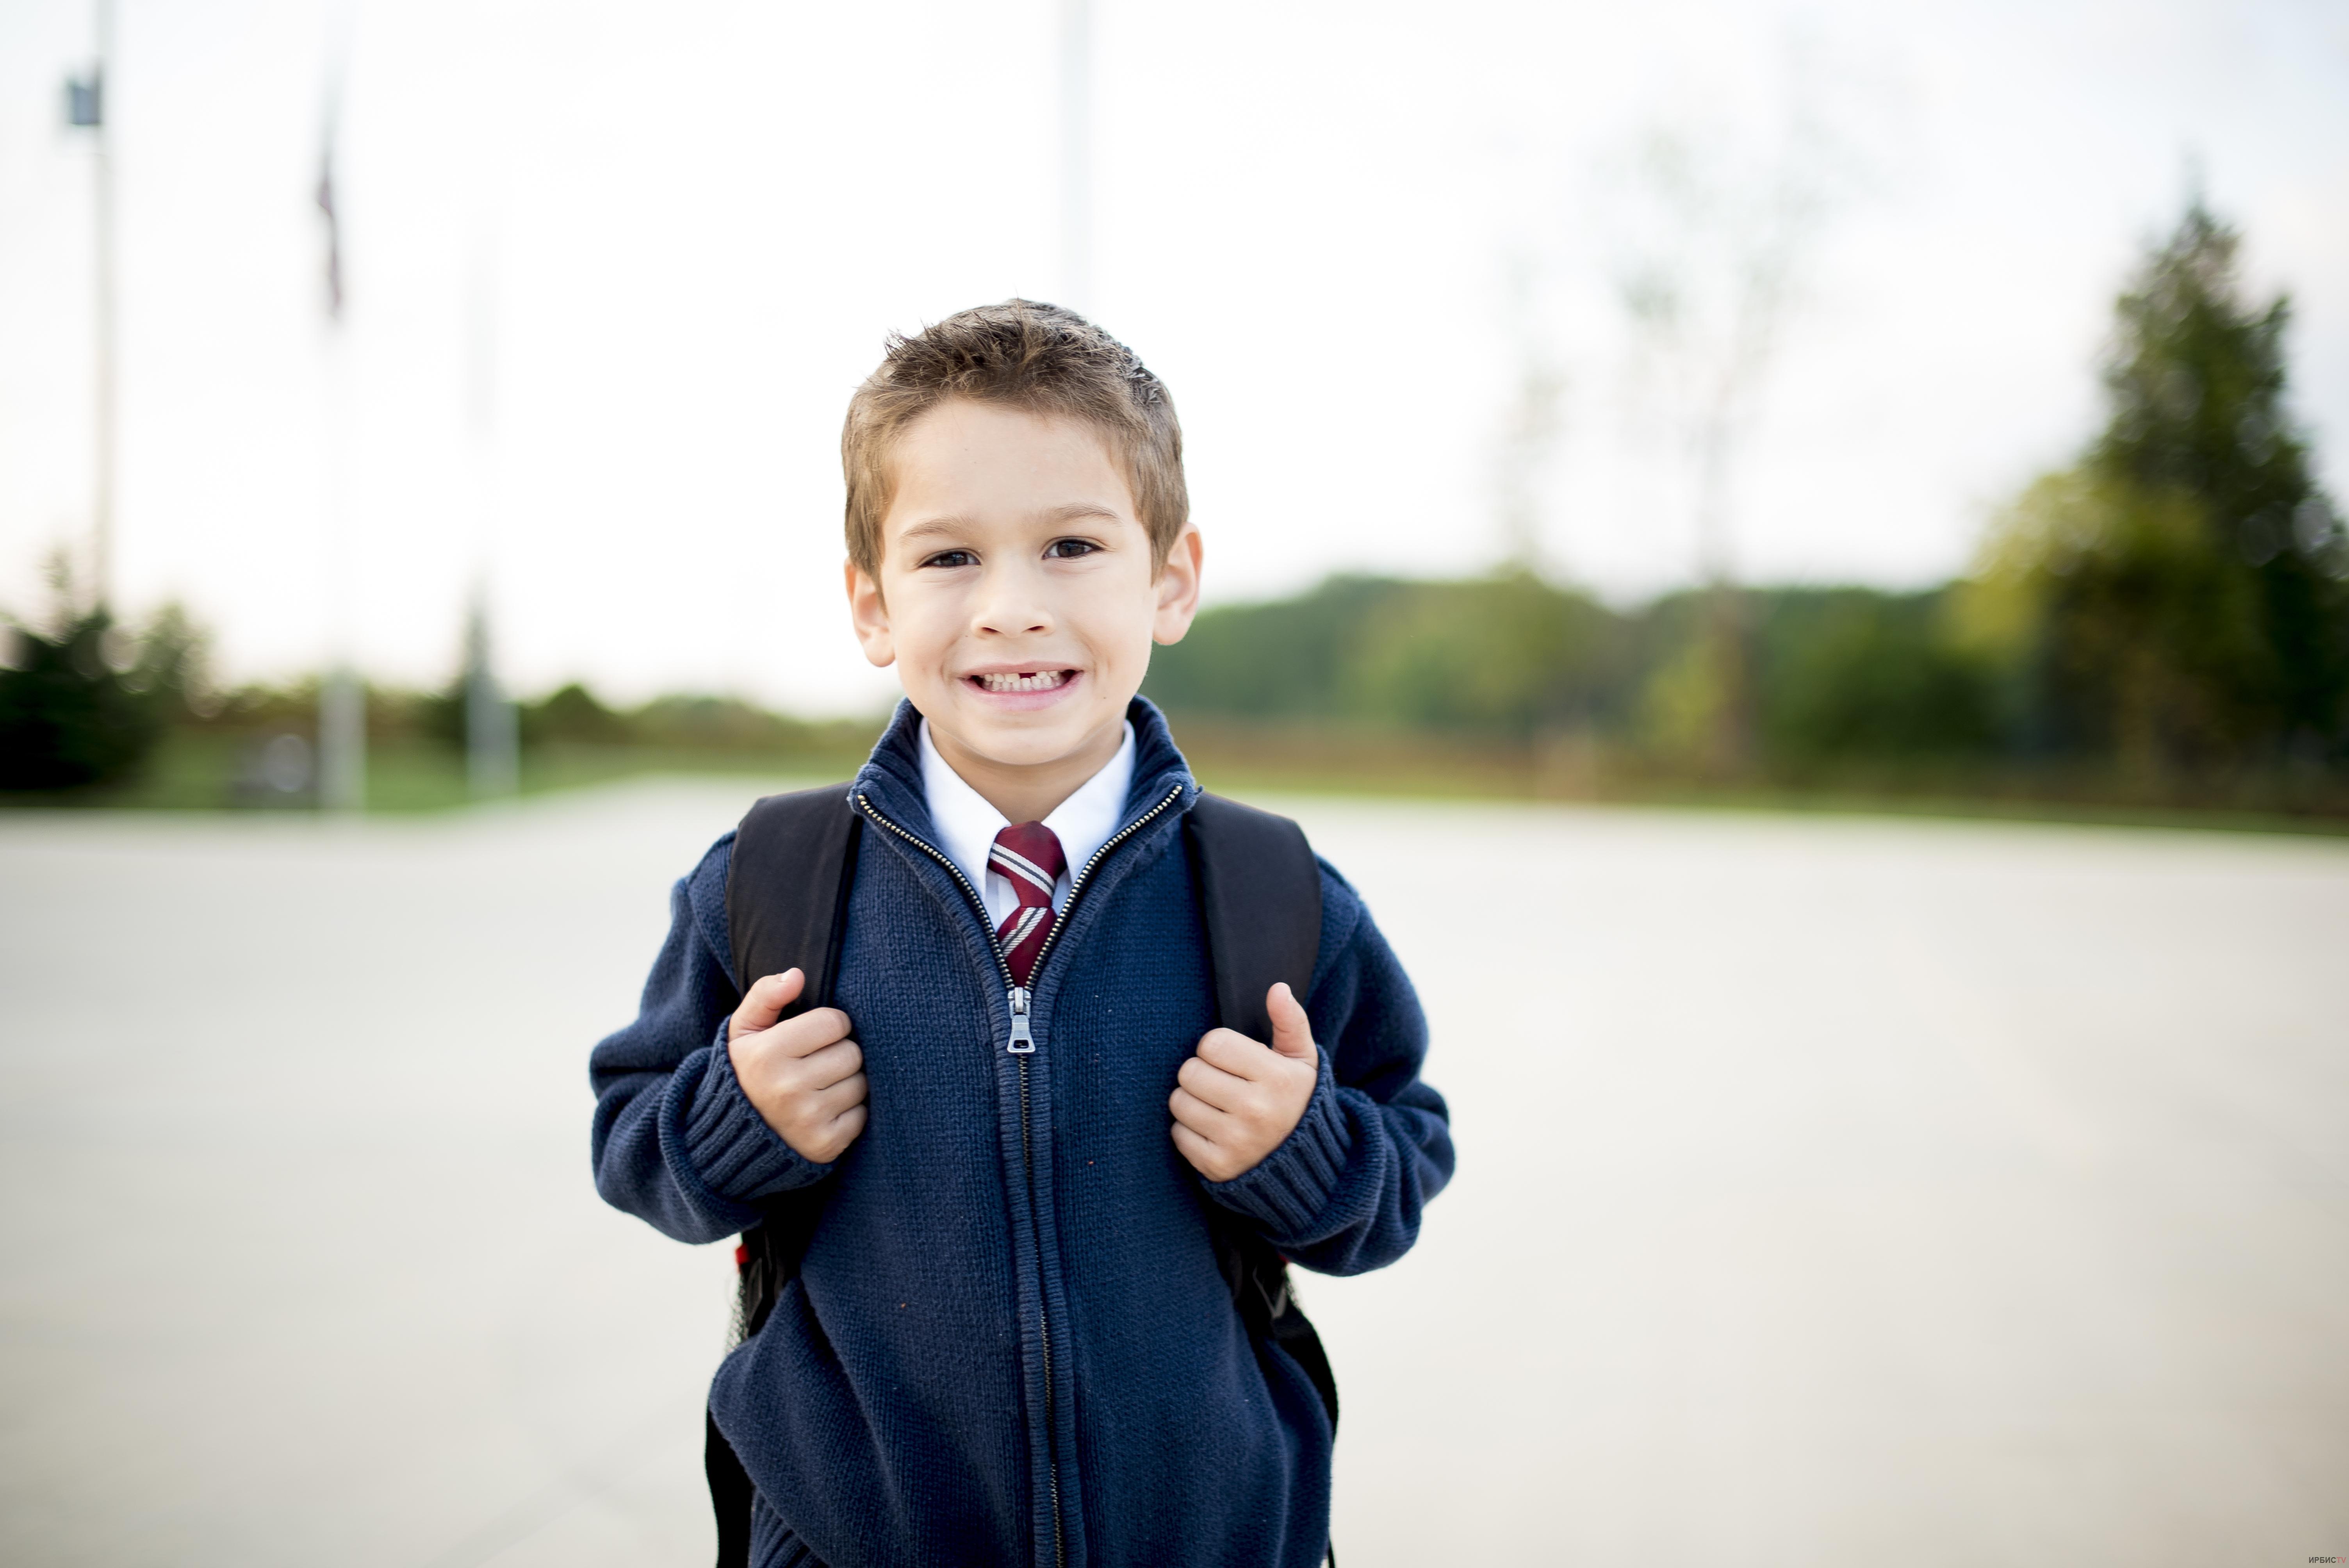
(86, 101)
(334, 233)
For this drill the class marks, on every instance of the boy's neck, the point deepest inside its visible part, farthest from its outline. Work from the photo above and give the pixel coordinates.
(1029, 792)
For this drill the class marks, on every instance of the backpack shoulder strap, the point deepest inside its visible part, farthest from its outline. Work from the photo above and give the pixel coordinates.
(787, 888)
(1260, 901)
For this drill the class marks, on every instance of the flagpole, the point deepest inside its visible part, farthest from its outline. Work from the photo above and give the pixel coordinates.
(1076, 154)
(101, 547)
(492, 731)
(492, 740)
(342, 700)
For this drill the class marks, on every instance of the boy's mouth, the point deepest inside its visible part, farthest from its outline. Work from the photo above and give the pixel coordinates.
(1010, 681)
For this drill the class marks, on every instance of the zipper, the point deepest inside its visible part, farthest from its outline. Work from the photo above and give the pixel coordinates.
(1043, 1325)
(1023, 1046)
(1077, 883)
(1016, 996)
(1009, 984)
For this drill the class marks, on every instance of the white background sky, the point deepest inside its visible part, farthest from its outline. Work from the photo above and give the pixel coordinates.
(613, 269)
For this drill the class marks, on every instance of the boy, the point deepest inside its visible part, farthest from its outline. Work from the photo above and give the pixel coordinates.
(1009, 1151)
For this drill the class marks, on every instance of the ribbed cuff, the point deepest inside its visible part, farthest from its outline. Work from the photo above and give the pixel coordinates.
(1287, 1189)
(737, 1155)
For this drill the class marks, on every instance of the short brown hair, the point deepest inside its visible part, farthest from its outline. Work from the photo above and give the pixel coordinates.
(1039, 357)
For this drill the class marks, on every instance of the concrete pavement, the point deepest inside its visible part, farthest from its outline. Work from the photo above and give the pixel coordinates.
(1833, 1192)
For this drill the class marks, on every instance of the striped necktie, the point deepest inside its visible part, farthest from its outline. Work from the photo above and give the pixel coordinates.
(1027, 856)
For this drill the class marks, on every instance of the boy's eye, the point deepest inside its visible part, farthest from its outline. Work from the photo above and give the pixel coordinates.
(1069, 549)
(951, 557)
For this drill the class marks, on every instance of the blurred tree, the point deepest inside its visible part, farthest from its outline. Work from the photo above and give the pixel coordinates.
(1286, 658)
(171, 666)
(67, 719)
(2177, 598)
(82, 703)
(1510, 653)
(440, 716)
(1850, 674)
(718, 723)
(1719, 246)
(1532, 426)
(568, 713)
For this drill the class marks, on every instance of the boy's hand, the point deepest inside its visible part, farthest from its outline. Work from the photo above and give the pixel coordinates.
(805, 1075)
(1236, 1099)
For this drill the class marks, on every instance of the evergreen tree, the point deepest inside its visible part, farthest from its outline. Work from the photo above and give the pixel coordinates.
(84, 703)
(2181, 590)
(68, 718)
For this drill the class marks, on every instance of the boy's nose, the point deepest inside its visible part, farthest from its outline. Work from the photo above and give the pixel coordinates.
(1010, 606)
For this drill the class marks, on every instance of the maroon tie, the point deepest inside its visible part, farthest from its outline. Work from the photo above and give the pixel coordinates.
(1028, 855)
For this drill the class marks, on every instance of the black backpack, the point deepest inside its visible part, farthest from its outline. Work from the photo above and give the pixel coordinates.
(794, 860)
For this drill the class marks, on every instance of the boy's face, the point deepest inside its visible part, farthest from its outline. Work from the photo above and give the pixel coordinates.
(1017, 596)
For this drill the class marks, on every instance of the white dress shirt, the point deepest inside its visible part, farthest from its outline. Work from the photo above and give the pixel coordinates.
(967, 824)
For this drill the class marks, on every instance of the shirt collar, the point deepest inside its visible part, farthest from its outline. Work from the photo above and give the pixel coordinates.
(967, 824)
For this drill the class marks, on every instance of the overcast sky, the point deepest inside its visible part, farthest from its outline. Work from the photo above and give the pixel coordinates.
(613, 269)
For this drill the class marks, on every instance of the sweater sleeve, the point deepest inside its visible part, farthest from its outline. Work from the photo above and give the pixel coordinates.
(1343, 1192)
(675, 1141)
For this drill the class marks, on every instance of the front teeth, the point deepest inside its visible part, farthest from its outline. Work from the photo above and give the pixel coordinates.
(1042, 680)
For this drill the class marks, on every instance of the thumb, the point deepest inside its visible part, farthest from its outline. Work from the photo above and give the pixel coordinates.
(1292, 1032)
(765, 1002)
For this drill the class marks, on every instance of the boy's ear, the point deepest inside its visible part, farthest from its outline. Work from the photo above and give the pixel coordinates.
(1178, 589)
(870, 615)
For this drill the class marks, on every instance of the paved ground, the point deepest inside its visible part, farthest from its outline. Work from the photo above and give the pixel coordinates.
(1834, 1193)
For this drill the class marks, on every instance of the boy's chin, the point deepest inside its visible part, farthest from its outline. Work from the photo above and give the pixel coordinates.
(1031, 740)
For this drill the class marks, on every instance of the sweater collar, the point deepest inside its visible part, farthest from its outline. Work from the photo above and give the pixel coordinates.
(968, 824)
(892, 777)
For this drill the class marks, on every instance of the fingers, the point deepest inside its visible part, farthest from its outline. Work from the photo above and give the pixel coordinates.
(1223, 1090)
(770, 1078)
(811, 1032)
(829, 1141)
(764, 1002)
(1235, 1099)
(804, 1075)
(1209, 1139)
(1292, 1032)
(1204, 1157)
(815, 1103)
(1234, 1109)
(1234, 1052)
(827, 1105)
(818, 1070)
(1218, 1159)
(1206, 1120)
(824, 1123)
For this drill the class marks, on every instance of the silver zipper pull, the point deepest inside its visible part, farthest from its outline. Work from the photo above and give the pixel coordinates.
(1023, 1043)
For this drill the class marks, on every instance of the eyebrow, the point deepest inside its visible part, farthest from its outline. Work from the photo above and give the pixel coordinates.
(950, 525)
(931, 527)
(1074, 510)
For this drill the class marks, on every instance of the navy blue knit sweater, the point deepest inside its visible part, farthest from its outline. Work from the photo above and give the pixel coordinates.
(973, 1366)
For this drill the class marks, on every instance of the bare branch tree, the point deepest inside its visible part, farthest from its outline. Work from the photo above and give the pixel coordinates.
(1716, 238)
(1531, 427)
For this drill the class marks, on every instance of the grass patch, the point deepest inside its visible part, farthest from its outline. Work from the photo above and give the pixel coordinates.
(197, 769)
(1242, 757)
(202, 770)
